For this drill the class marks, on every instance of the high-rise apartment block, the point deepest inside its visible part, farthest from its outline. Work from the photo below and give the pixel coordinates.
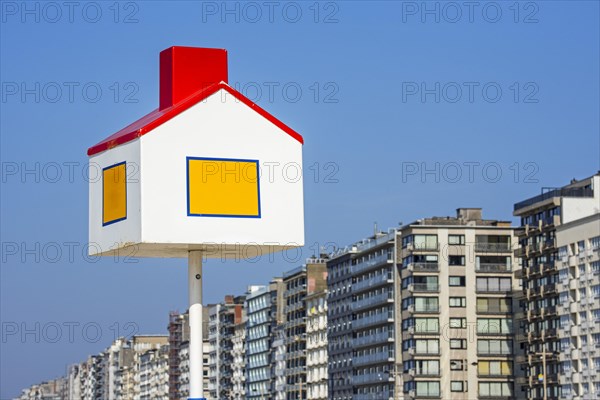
(264, 310)
(299, 283)
(457, 313)
(559, 241)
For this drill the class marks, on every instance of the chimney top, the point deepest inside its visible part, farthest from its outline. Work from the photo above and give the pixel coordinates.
(186, 70)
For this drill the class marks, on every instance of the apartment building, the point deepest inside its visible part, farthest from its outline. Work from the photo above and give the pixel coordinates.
(93, 384)
(339, 317)
(316, 346)
(264, 308)
(279, 362)
(299, 283)
(362, 331)
(222, 319)
(55, 389)
(154, 374)
(558, 245)
(457, 313)
(238, 353)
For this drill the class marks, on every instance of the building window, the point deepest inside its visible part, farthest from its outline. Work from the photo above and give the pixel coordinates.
(431, 389)
(492, 284)
(457, 281)
(494, 326)
(458, 344)
(426, 242)
(458, 323)
(495, 389)
(427, 346)
(494, 347)
(456, 239)
(458, 302)
(427, 325)
(422, 367)
(494, 368)
(595, 243)
(457, 386)
(494, 305)
(456, 260)
(457, 365)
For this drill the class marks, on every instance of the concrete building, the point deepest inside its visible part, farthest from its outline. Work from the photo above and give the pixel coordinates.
(316, 346)
(179, 355)
(93, 384)
(73, 382)
(299, 283)
(339, 330)
(51, 390)
(558, 245)
(457, 313)
(264, 308)
(362, 333)
(279, 363)
(154, 374)
(222, 319)
(238, 353)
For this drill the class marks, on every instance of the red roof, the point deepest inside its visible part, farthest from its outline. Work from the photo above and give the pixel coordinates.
(158, 117)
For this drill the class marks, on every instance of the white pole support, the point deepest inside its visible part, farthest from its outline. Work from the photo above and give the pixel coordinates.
(196, 340)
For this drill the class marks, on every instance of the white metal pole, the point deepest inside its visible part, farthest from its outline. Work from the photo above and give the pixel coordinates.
(196, 341)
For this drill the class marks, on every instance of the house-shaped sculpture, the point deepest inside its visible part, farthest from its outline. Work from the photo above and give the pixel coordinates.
(208, 170)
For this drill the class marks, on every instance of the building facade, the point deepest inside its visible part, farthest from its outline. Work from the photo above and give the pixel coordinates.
(316, 346)
(238, 353)
(558, 243)
(362, 334)
(299, 283)
(457, 309)
(222, 320)
(264, 308)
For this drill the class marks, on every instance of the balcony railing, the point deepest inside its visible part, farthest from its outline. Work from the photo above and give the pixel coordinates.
(493, 267)
(493, 247)
(424, 266)
(424, 287)
(425, 309)
(494, 310)
(375, 281)
(564, 192)
(372, 358)
(375, 261)
(372, 339)
(372, 301)
(370, 378)
(372, 320)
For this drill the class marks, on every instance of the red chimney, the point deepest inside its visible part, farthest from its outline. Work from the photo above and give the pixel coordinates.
(185, 70)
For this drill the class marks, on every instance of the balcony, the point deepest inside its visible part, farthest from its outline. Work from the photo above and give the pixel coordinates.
(424, 267)
(376, 281)
(382, 337)
(375, 358)
(493, 247)
(427, 309)
(379, 260)
(366, 379)
(372, 320)
(493, 267)
(424, 288)
(562, 192)
(494, 310)
(373, 301)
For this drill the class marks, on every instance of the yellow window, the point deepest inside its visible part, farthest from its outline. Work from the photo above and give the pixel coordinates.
(219, 187)
(114, 193)
(484, 368)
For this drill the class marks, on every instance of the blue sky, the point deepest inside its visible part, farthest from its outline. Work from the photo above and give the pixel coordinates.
(495, 101)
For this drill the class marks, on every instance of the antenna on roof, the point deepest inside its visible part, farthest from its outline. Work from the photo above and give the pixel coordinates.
(375, 229)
